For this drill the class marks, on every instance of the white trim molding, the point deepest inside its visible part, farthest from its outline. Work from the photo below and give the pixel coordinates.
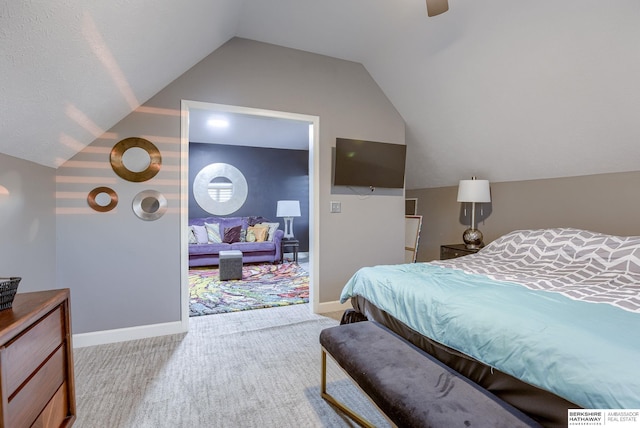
(314, 193)
(82, 340)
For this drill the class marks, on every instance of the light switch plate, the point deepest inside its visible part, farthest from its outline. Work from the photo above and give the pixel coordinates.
(336, 207)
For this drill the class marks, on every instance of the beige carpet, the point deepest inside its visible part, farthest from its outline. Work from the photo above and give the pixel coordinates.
(248, 369)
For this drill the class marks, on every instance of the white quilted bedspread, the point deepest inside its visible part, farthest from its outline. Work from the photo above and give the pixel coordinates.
(577, 263)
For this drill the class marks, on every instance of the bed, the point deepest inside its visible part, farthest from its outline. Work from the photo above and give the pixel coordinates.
(547, 319)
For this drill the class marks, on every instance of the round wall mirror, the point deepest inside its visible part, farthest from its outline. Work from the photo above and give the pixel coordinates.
(149, 205)
(220, 189)
(102, 199)
(135, 159)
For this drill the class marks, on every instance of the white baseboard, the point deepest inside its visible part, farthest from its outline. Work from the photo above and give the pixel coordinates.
(325, 307)
(82, 340)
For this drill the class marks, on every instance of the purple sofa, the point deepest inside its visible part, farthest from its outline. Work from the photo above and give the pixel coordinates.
(206, 252)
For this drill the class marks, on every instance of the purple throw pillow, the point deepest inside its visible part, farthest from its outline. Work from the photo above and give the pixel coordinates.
(232, 234)
(253, 220)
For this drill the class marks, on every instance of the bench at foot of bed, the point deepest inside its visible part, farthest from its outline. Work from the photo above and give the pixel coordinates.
(410, 387)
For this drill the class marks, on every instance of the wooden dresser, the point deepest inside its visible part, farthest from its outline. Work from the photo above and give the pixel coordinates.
(36, 361)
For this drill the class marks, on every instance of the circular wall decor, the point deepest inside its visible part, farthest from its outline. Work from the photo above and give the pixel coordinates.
(149, 205)
(227, 205)
(155, 160)
(102, 199)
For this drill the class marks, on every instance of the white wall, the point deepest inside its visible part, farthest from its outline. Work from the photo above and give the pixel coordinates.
(27, 224)
(125, 272)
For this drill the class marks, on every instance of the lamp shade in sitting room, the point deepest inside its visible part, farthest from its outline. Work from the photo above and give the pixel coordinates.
(288, 210)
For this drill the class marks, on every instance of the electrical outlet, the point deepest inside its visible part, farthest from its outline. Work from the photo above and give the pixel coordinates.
(336, 207)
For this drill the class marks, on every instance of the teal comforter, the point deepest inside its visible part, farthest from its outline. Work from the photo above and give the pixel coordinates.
(587, 353)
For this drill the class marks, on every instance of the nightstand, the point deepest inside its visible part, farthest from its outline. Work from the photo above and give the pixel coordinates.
(294, 244)
(455, 250)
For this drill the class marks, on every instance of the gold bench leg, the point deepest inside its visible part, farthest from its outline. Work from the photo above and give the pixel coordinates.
(346, 410)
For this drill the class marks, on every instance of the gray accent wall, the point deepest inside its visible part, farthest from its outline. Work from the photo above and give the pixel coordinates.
(606, 203)
(125, 272)
(28, 224)
(271, 174)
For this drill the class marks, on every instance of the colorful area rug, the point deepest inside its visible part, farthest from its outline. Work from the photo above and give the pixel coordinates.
(261, 286)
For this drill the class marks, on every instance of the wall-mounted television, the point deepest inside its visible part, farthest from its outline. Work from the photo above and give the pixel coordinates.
(369, 164)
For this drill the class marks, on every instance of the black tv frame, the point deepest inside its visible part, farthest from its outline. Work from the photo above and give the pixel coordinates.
(372, 164)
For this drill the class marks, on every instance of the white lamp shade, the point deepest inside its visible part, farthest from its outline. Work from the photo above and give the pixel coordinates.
(474, 191)
(288, 209)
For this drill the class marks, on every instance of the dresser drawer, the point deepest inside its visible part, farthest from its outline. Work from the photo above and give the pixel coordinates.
(55, 413)
(25, 353)
(28, 403)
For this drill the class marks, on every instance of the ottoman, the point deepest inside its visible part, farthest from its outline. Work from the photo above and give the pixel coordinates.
(230, 265)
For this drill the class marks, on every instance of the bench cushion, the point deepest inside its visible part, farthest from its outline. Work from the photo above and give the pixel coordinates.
(411, 387)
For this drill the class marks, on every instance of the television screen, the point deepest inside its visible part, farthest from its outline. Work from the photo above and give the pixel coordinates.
(369, 163)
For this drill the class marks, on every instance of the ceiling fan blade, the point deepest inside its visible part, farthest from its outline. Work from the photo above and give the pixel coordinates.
(436, 7)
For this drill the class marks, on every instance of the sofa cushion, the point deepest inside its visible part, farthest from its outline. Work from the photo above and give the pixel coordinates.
(247, 247)
(222, 221)
(191, 236)
(201, 234)
(259, 233)
(212, 249)
(232, 234)
(229, 222)
(201, 221)
(253, 220)
(213, 232)
(272, 229)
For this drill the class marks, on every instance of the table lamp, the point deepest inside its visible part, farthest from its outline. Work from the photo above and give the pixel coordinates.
(288, 210)
(474, 191)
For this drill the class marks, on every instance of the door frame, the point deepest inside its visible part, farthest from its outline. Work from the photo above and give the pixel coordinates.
(314, 192)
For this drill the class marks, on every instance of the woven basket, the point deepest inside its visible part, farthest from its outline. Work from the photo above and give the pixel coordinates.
(8, 288)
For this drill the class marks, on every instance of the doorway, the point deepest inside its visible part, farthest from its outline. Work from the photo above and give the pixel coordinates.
(313, 148)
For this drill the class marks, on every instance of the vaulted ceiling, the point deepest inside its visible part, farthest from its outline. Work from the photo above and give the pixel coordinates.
(500, 89)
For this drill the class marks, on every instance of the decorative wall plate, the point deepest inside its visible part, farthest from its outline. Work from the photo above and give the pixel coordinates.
(102, 193)
(149, 205)
(155, 160)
